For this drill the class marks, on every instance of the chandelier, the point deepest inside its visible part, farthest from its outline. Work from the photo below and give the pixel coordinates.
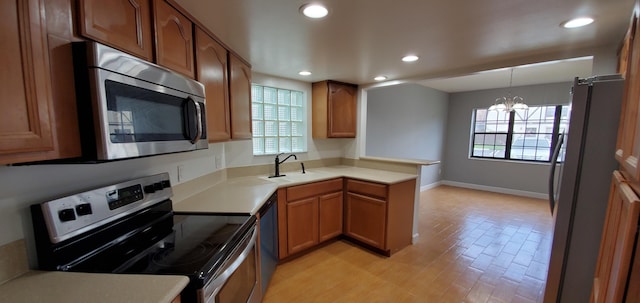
(509, 103)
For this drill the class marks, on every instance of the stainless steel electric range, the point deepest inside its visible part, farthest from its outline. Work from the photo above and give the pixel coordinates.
(130, 227)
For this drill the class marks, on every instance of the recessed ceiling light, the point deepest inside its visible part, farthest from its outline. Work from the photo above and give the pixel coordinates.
(304, 73)
(410, 58)
(380, 78)
(577, 22)
(314, 10)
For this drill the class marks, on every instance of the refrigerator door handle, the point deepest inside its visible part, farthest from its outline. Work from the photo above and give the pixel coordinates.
(552, 172)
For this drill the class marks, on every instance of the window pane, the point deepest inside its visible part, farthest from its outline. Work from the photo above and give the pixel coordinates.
(285, 145)
(270, 95)
(530, 132)
(283, 113)
(284, 129)
(296, 114)
(271, 145)
(284, 97)
(256, 93)
(270, 128)
(258, 128)
(297, 144)
(256, 111)
(297, 129)
(296, 99)
(270, 112)
(258, 146)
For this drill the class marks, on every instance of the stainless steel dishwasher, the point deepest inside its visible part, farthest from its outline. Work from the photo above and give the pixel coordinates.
(268, 240)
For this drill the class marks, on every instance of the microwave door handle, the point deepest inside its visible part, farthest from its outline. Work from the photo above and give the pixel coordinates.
(552, 172)
(198, 119)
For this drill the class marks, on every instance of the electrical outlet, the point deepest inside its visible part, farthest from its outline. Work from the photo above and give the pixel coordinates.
(180, 172)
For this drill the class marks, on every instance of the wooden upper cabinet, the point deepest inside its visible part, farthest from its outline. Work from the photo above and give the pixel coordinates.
(240, 98)
(211, 71)
(25, 91)
(123, 24)
(628, 145)
(334, 110)
(174, 39)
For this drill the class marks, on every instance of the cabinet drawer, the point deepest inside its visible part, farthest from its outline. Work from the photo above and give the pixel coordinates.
(367, 188)
(313, 189)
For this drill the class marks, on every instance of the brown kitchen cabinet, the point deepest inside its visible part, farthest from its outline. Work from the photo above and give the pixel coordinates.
(211, 71)
(628, 144)
(240, 98)
(174, 39)
(334, 106)
(380, 215)
(122, 24)
(28, 131)
(309, 214)
(617, 245)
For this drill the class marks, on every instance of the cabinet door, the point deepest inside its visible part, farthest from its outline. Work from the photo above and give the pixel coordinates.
(366, 219)
(617, 243)
(25, 125)
(330, 216)
(240, 95)
(302, 224)
(342, 110)
(211, 71)
(174, 39)
(123, 24)
(628, 146)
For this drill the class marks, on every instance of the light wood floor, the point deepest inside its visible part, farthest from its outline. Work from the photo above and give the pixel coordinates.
(473, 246)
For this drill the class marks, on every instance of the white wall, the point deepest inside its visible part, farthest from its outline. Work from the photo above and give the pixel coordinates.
(21, 186)
(513, 175)
(407, 121)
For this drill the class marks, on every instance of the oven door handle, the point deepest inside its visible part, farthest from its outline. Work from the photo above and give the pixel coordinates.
(219, 281)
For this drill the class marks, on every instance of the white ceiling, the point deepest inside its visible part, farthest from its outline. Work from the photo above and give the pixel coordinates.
(361, 39)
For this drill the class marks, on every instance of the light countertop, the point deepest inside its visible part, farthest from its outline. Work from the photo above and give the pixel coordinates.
(70, 287)
(246, 195)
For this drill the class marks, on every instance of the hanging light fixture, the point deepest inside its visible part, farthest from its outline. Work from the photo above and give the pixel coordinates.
(509, 103)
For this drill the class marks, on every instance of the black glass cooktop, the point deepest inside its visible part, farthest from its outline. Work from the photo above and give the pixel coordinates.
(196, 247)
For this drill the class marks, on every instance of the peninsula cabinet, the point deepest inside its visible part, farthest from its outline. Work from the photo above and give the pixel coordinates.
(240, 98)
(309, 214)
(379, 215)
(619, 238)
(211, 71)
(123, 24)
(174, 39)
(26, 125)
(334, 106)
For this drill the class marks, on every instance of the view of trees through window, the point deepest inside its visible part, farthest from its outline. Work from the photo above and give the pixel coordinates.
(527, 135)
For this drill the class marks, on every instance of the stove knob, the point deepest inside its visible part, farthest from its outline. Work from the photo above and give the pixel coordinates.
(84, 209)
(67, 214)
(149, 189)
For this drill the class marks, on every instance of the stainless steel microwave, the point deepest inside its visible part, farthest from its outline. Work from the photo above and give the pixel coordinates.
(131, 108)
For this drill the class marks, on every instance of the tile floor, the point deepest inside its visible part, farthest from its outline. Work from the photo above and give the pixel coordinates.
(473, 246)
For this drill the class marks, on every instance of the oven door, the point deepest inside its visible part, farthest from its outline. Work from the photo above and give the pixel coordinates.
(238, 280)
(135, 118)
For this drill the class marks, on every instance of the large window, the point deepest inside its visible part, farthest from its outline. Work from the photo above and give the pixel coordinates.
(527, 135)
(278, 117)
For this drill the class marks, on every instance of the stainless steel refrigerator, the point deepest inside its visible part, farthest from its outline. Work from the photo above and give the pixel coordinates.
(578, 195)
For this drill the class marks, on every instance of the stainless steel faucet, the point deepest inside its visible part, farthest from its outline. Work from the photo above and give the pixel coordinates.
(278, 162)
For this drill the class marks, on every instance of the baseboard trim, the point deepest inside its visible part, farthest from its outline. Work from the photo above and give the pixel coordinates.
(430, 186)
(415, 237)
(502, 190)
